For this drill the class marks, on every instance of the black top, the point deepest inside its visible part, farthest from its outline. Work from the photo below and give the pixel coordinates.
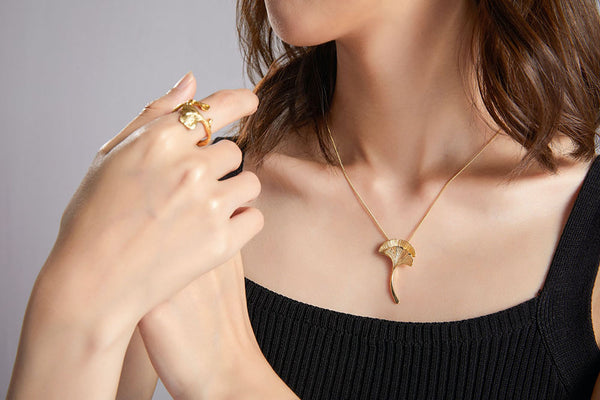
(543, 348)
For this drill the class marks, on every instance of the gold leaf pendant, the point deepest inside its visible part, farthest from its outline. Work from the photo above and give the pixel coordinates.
(401, 253)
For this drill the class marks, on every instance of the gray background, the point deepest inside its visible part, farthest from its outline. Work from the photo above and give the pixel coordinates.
(73, 74)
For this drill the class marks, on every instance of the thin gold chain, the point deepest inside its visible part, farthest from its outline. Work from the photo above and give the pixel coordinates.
(430, 206)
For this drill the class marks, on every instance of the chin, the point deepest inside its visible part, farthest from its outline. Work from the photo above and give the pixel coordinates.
(302, 22)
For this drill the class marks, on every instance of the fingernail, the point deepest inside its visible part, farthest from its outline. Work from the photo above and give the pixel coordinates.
(184, 81)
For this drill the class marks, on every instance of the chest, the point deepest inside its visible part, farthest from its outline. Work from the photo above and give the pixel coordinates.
(477, 251)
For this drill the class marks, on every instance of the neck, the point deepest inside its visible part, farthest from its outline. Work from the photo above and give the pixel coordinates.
(401, 107)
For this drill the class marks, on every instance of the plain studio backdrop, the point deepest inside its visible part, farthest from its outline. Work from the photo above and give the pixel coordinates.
(74, 73)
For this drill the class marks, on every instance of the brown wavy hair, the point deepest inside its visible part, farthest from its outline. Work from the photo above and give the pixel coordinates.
(536, 63)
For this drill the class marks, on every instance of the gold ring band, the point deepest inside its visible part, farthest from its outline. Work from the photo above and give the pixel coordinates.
(189, 116)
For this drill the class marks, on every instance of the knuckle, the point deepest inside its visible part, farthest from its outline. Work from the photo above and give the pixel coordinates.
(215, 204)
(152, 106)
(162, 138)
(196, 171)
(238, 99)
(260, 218)
(252, 100)
(232, 149)
(257, 219)
(158, 143)
(249, 101)
(192, 171)
(253, 182)
(227, 97)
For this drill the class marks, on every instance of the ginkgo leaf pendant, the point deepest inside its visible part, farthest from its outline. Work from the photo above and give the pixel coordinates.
(401, 253)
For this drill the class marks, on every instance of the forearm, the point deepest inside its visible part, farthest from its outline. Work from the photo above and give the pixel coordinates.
(250, 378)
(596, 392)
(66, 351)
(138, 377)
(257, 382)
(202, 344)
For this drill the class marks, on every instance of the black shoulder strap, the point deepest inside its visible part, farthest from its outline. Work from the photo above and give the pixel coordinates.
(239, 169)
(564, 313)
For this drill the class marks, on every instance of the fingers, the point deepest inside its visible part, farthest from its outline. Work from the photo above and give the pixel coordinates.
(240, 190)
(198, 164)
(244, 225)
(226, 106)
(221, 158)
(172, 143)
(230, 193)
(183, 90)
(158, 118)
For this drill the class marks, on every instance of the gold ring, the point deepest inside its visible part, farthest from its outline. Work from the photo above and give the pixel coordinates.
(189, 116)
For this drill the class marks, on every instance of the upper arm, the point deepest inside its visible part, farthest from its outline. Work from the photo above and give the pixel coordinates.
(596, 325)
(596, 392)
(596, 308)
(138, 377)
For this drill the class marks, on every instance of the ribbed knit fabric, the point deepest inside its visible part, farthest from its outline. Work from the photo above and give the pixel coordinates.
(543, 348)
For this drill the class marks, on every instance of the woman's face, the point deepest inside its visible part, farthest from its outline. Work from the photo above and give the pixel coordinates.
(312, 22)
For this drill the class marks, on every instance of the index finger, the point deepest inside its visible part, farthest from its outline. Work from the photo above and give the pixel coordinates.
(183, 90)
(226, 106)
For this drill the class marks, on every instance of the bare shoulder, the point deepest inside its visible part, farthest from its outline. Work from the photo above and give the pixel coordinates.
(291, 169)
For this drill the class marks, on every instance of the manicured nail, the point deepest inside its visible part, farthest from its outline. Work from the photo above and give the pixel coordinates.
(184, 81)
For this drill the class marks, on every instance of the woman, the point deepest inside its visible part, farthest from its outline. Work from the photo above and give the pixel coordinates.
(498, 302)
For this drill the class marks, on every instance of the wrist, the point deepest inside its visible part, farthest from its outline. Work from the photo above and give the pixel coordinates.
(59, 356)
(248, 377)
(65, 299)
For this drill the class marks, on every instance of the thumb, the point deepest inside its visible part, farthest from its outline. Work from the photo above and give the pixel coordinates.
(183, 90)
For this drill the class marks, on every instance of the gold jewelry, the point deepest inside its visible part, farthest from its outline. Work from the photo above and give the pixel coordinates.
(189, 116)
(400, 251)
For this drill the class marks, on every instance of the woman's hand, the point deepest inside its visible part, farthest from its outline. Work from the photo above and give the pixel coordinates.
(149, 217)
(202, 345)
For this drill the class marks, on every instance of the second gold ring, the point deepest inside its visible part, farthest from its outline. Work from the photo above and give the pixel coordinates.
(189, 116)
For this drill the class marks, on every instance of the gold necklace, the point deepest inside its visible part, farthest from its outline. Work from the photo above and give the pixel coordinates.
(400, 251)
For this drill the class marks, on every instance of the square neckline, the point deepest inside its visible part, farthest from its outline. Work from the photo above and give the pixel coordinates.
(522, 311)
